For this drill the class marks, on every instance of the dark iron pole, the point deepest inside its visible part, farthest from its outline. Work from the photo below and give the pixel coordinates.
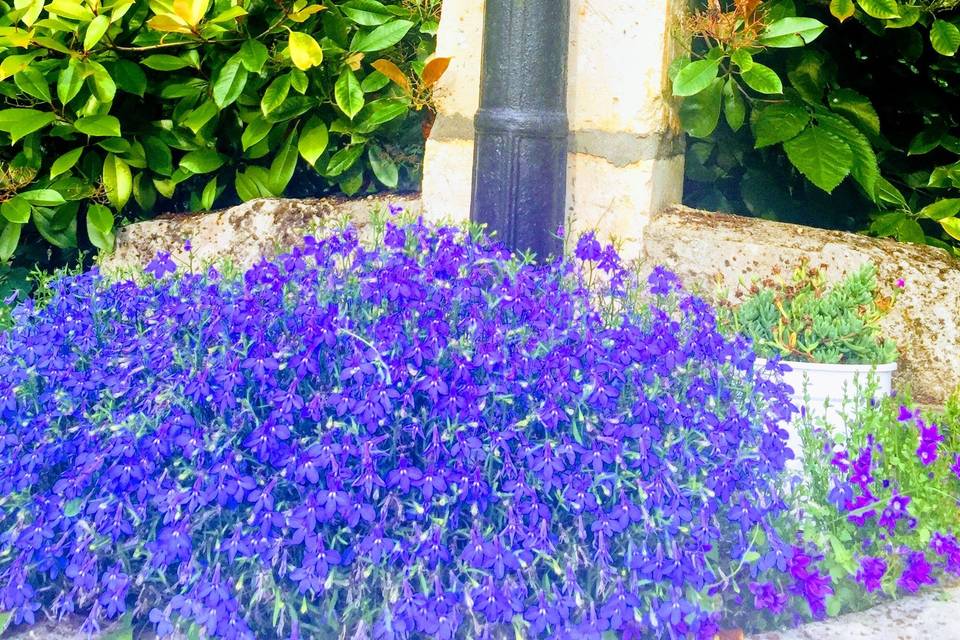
(520, 159)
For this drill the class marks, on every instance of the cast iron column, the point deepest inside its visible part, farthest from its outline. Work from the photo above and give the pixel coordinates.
(520, 159)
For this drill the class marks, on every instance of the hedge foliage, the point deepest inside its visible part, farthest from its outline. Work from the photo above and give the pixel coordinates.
(839, 114)
(125, 107)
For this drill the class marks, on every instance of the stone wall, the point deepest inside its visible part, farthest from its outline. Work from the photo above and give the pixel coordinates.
(626, 149)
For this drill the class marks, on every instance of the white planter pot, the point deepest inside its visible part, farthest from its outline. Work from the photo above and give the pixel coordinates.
(822, 390)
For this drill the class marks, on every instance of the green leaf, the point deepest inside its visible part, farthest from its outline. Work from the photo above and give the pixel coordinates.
(823, 157)
(313, 141)
(842, 9)
(32, 82)
(343, 160)
(73, 507)
(283, 165)
(129, 77)
(291, 108)
(100, 217)
(945, 37)
(43, 197)
(909, 230)
(734, 106)
(65, 162)
(383, 37)
(348, 94)
(275, 94)
(158, 155)
(118, 180)
(885, 225)
(926, 141)
(384, 168)
(367, 13)
(864, 169)
(763, 79)
(100, 227)
(374, 82)
(9, 239)
(104, 126)
(103, 85)
(22, 122)
(946, 208)
(164, 62)
(299, 81)
(700, 113)
(199, 117)
(952, 227)
(70, 81)
(252, 184)
(779, 123)
(695, 77)
(16, 209)
(253, 55)
(381, 111)
(909, 16)
(95, 30)
(209, 194)
(858, 108)
(202, 161)
(888, 193)
(792, 32)
(57, 226)
(230, 82)
(742, 58)
(256, 131)
(881, 9)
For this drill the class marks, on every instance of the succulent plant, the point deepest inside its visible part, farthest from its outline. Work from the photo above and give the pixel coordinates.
(805, 319)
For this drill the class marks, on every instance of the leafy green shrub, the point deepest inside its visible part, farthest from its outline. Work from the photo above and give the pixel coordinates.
(855, 100)
(131, 106)
(805, 319)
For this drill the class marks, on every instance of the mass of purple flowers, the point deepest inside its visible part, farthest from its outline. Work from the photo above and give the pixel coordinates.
(429, 438)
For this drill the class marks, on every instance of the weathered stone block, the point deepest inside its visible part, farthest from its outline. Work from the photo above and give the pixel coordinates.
(705, 249)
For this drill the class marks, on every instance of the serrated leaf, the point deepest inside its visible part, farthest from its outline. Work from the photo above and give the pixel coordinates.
(792, 32)
(348, 94)
(383, 37)
(842, 9)
(313, 141)
(821, 156)
(763, 79)
(305, 53)
(888, 193)
(695, 77)
(16, 209)
(945, 37)
(946, 208)
(779, 123)
(65, 162)
(857, 107)
(881, 9)
(230, 82)
(103, 126)
(864, 169)
(118, 180)
(909, 230)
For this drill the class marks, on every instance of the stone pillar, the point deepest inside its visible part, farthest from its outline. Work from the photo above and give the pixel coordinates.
(626, 149)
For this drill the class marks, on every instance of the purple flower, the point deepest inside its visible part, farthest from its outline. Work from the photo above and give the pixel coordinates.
(767, 596)
(161, 265)
(917, 573)
(871, 572)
